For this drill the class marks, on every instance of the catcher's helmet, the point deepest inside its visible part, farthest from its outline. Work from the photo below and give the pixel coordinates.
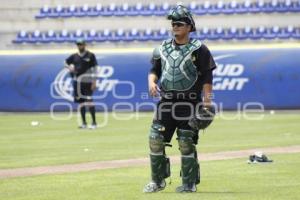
(181, 13)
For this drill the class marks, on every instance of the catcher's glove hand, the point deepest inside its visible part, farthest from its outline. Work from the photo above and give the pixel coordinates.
(203, 118)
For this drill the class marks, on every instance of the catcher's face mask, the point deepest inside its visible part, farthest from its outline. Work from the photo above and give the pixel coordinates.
(181, 13)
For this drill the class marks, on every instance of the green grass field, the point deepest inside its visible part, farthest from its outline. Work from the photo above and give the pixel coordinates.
(232, 179)
(60, 142)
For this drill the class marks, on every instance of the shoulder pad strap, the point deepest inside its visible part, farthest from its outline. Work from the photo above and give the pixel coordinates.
(156, 53)
(196, 44)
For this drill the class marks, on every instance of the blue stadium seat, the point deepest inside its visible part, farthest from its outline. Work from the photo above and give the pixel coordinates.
(44, 12)
(119, 35)
(200, 10)
(217, 8)
(206, 8)
(296, 33)
(271, 33)
(162, 10)
(212, 35)
(149, 34)
(258, 33)
(50, 36)
(146, 35)
(129, 11)
(35, 37)
(94, 11)
(239, 35)
(22, 37)
(243, 7)
(295, 6)
(107, 35)
(99, 37)
(148, 10)
(132, 35)
(109, 10)
(197, 35)
(81, 11)
(291, 30)
(153, 8)
(142, 10)
(261, 5)
(70, 11)
(270, 6)
(134, 10)
(137, 9)
(284, 6)
(193, 7)
(231, 8)
(63, 36)
(122, 10)
(275, 30)
(285, 32)
(66, 12)
(261, 31)
(254, 7)
(245, 33)
(220, 33)
(91, 36)
(204, 33)
(161, 34)
(84, 10)
(193, 34)
(229, 34)
(78, 34)
(56, 12)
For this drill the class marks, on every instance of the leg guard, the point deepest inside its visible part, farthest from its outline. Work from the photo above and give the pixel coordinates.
(190, 171)
(160, 164)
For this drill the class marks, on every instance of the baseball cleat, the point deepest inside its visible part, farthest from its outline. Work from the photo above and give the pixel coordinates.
(83, 126)
(186, 188)
(154, 187)
(93, 126)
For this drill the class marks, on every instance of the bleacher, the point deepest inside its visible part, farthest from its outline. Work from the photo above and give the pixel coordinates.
(142, 23)
(120, 35)
(152, 9)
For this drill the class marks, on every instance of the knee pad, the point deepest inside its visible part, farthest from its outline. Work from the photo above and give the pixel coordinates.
(186, 142)
(156, 139)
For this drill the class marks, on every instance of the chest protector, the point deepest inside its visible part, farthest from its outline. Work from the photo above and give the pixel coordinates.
(178, 71)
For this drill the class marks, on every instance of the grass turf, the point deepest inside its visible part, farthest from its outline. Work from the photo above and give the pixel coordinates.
(230, 179)
(59, 142)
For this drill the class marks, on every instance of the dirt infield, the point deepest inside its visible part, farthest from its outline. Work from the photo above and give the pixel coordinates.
(80, 167)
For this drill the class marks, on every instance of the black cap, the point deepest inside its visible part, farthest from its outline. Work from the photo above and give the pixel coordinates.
(80, 41)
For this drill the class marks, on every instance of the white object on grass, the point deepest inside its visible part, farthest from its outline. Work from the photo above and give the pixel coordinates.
(35, 123)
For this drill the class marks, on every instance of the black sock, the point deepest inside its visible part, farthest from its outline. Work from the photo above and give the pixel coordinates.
(93, 114)
(82, 113)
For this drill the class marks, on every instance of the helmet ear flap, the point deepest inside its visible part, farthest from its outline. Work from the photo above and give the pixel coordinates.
(193, 25)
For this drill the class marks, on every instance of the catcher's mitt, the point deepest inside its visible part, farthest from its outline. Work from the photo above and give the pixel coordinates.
(203, 118)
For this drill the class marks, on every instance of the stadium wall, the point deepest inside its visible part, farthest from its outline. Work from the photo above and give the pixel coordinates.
(251, 77)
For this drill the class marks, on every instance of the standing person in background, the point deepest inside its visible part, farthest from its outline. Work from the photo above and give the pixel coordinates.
(82, 66)
(181, 74)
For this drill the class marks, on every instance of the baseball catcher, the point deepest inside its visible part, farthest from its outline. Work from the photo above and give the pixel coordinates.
(181, 75)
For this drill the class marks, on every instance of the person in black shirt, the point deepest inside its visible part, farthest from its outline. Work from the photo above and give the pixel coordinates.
(181, 70)
(82, 66)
